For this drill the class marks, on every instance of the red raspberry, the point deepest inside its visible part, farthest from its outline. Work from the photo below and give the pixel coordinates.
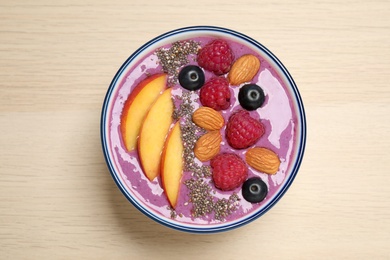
(216, 56)
(215, 94)
(229, 171)
(242, 130)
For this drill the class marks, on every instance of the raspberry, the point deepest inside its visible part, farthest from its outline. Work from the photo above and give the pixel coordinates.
(216, 56)
(215, 94)
(242, 130)
(229, 171)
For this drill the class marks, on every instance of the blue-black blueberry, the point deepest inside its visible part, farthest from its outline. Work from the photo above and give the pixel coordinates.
(251, 97)
(254, 190)
(191, 77)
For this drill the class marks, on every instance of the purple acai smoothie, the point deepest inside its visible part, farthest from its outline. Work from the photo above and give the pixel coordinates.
(277, 114)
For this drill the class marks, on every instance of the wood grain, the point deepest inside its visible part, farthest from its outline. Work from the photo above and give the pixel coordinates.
(57, 199)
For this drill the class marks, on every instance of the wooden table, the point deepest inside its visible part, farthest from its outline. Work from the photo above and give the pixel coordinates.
(57, 198)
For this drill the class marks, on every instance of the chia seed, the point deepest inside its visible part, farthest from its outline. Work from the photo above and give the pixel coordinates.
(173, 214)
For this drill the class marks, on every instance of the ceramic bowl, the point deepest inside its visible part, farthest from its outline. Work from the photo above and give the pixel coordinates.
(282, 116)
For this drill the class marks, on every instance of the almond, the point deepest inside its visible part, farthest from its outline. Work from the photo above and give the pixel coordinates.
(208, 119)
(244, 69)
(263, 160)
(208, 146)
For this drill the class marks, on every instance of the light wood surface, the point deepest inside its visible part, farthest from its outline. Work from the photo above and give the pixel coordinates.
(57, 198)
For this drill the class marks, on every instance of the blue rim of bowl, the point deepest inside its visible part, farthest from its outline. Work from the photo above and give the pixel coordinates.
(204, 229)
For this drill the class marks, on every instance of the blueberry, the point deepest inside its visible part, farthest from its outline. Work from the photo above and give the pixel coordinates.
(191, 77)
(251, 96)
(254, 190)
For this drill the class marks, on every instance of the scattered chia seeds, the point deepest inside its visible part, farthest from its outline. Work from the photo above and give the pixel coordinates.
(190, 134)
(190, 137)
(176, 56)
(225, 207)
(186, 108)
(200, 196)
(203, 201)
(173, 214)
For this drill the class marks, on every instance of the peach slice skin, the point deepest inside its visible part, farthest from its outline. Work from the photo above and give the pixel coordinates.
(137, 106)
(154, 131)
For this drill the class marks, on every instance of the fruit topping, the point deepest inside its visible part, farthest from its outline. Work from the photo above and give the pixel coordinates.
(137, 106)
(242, 130)
(153, 133)
(251, 97)
(216, 94)
(244, 69)
(208, 119)
(254, 190)
(172, 164)
(229, 171)
(191, 77)
(208, 146)
(216, 56)
(263, 160)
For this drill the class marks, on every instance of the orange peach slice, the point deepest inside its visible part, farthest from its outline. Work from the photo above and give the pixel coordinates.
(137, 106)
(153, 133)
(172, 165)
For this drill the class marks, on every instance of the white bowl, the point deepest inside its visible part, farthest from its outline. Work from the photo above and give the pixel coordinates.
(116, 157)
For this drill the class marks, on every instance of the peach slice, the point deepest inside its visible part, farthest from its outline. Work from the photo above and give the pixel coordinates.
(172, 164)
(153, 133)
(137, 106)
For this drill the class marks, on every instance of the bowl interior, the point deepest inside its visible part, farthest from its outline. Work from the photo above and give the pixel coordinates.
(113, 104)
